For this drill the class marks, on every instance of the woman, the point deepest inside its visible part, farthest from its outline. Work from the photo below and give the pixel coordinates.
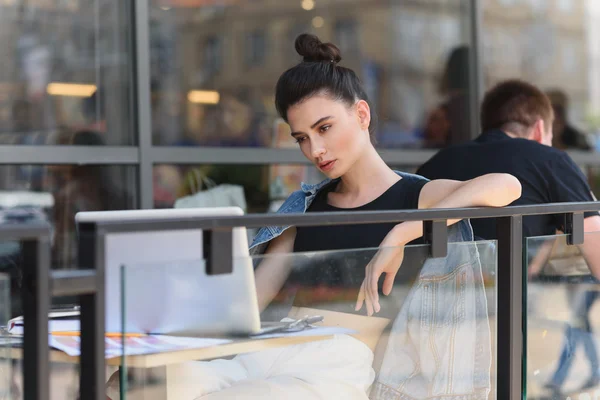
(332, 121)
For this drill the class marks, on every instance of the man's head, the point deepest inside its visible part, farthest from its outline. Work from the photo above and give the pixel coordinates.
(520, 109)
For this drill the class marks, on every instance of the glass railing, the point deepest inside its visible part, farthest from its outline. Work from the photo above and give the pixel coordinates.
(6, 367)
(434, 334)
(562, 319)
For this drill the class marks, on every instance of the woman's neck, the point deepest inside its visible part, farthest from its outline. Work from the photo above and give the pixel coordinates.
(369, 176)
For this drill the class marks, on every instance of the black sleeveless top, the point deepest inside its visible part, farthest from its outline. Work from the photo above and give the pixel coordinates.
(403, 195)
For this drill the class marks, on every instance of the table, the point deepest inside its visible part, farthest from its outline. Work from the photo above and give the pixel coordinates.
(237, 346)
(164, 364)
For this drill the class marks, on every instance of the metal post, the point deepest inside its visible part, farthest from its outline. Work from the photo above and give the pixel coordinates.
(475, 63)
(142, 108)
(218, 251)
(91, 256)
(435, 234)
(574, 228)
(510, 298)
(35, 294)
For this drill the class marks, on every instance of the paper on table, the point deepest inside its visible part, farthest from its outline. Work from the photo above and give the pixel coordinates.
(136, 345)
(59, 325)
(317, 331)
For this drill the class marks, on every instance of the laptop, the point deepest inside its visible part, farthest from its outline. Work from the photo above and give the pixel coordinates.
(167, 290)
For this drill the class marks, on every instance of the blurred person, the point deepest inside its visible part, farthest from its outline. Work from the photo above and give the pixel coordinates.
(566, 136)
(22, 116)
(166, 181)
(437, 128)
(454, 87)
(79, 188)
(449, 122)
(517, 121)
(93, 110)
(578, 331)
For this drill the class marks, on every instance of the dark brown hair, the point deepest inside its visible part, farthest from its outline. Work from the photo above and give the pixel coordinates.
(318, 73)
(515, 105)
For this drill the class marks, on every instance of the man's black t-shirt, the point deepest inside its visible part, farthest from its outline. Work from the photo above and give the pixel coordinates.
(547, 175)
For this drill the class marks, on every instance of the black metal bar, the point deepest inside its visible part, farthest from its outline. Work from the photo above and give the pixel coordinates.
(22, 232)
(91, 256)
(72, 283)
(475, 67)
(341, 218)
(574, 228)
(218, 251)
(510, 299)
(435, 234)
(35, 295)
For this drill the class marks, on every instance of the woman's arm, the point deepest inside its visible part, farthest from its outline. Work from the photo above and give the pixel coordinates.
(273, 270)
(492, 190)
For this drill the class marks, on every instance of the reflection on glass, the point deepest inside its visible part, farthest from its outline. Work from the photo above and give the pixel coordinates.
(593, 175)
(54, 194)
(65, 66)
(254, 188)
(5, 361)
(411, 58)
(562, 351)
(64, 379)
(434, 328)
(558, 51)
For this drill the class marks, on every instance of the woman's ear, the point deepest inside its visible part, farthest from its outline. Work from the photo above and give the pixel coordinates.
(364, 114)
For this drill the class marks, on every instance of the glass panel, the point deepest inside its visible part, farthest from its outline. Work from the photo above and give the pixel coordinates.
(55, 193)
(593, 174)
(63, 371)
(556, 46)
(265, 187)
(66, 68)
(64, 377)
(434, 333)
(6, 369)
(562, 318)
(214, 86)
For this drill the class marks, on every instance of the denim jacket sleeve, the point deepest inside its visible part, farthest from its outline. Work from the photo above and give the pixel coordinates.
(295, 203)
(440, 346)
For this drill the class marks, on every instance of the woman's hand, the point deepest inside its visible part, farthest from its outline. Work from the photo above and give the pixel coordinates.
(387, 261)
(491, 190)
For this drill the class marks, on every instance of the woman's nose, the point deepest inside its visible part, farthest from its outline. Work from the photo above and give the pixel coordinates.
(318, 151)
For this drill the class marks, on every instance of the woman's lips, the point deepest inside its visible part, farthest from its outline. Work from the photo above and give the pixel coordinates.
(327, 166)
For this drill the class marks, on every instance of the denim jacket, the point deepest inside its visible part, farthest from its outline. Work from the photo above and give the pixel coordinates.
(439, 345)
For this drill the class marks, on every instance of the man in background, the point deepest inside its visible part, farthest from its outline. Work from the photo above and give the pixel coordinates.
(517, 121)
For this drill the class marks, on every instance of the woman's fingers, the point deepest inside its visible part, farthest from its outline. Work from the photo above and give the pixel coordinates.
(373, 290)
(367, 289)
(361, 297)
(369, 305)
(388, 283)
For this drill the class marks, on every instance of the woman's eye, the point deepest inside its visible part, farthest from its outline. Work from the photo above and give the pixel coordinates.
(324, 128)
(300, 139)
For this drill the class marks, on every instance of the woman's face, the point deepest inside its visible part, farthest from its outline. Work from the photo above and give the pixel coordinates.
(330, 134)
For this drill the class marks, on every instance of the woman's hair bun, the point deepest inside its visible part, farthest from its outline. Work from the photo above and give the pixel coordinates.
(313, 50)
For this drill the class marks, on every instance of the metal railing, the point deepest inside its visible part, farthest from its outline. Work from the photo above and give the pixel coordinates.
(88, 282)
(39, 285)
